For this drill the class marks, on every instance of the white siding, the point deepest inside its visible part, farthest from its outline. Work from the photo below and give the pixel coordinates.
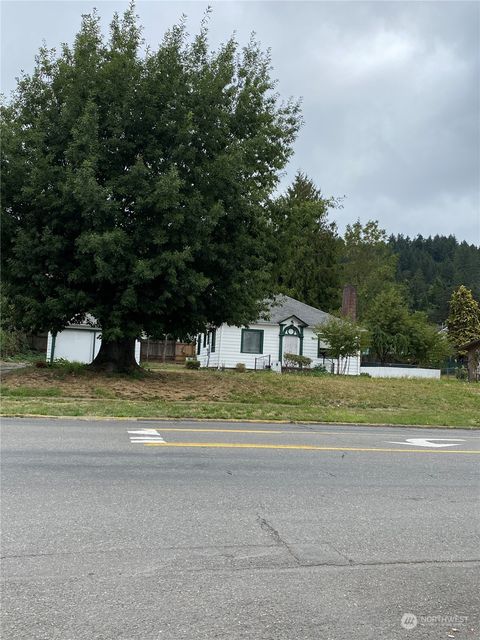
(79, 345)
(228, 349)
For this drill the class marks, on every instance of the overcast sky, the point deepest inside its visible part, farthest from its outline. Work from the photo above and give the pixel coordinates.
(391, 94)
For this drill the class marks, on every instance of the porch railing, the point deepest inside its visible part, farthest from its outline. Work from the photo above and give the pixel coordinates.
(263, 362)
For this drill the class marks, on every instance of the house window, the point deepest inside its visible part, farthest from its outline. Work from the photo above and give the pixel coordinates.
(213, 335)
(204, 340)
(252, 341)
(322, 351)
(199, 343)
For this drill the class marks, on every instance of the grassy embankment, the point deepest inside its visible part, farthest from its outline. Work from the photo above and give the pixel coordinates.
(174, 392)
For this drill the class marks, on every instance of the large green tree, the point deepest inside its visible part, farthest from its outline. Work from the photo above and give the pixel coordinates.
(134, 184)
(305, 245)
(427, 345)
(399, 336)
(387, 321)
(368, 262)
(464, 318)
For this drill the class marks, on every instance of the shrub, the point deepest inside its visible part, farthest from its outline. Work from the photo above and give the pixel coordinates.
(12, 343)
(240, 367)
(68, 367)
(41, 364)
(320, 370)
(192, 364)
(461, 373)
(294, 360)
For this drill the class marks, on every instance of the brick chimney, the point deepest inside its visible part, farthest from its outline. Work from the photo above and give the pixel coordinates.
(349, 302)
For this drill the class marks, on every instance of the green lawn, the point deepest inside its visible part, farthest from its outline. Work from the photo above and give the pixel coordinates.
(178, 393)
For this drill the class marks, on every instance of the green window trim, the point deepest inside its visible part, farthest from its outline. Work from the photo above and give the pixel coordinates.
(213, 335)
(247, 331)
(52, 348)
(322, 352)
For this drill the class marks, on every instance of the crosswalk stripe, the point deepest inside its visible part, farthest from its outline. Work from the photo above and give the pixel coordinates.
(145, 436)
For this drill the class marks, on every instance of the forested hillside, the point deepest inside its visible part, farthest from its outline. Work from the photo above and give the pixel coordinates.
(311, 262)
(431, 268)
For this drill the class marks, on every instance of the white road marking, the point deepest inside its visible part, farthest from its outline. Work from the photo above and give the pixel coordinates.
(423, 442)
(145, 436)
(146, 432)
(152, 436)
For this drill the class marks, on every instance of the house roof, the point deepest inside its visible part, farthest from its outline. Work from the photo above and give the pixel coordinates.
(88, 322)
(283, 307)
(473, 344)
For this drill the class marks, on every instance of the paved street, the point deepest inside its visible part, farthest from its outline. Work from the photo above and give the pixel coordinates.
(8, 367)
(149, 530)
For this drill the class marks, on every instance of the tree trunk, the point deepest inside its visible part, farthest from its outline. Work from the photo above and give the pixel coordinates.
(116, 356)
(165, 337)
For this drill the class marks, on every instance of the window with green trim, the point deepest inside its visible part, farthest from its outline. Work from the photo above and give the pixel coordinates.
(322, 351)
(213, 336)
(252, 341)
(199, 343)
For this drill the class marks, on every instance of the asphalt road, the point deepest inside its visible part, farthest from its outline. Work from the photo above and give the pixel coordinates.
(167, 530)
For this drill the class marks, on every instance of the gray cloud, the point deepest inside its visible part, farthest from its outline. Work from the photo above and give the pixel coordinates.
(391, 94)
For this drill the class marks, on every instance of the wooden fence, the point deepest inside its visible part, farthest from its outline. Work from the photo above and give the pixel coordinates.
(165, 351)
(38, 342)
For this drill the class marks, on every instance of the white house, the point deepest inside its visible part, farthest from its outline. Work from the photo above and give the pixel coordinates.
(288, 328)
(79, 343)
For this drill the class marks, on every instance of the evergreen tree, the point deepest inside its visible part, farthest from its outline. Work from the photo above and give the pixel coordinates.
(134, 187)
(464, 318)
(305, 245)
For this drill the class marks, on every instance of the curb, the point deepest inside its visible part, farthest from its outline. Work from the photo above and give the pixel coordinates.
(235, 420)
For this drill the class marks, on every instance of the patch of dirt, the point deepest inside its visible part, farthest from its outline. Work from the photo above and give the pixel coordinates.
(166, 385)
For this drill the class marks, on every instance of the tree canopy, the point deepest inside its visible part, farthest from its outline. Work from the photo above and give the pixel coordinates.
(344, 338)
(368, 262)
(399, 336)
(134, 184)
(432, 268)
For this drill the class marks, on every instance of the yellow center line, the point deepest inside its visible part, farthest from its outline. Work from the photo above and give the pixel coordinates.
(277, 431)
(238, 445)
(228, 430)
